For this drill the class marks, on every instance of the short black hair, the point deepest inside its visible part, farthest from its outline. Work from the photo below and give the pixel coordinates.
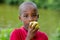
(26, 3)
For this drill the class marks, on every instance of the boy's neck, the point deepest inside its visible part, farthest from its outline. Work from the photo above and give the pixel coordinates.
(25, 28)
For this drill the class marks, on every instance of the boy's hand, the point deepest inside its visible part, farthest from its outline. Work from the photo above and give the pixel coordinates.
(33, 27)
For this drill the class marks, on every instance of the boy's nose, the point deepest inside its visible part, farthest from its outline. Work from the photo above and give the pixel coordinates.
(30, 19)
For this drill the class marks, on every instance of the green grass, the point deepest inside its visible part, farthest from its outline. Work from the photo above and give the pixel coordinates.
(49, 21)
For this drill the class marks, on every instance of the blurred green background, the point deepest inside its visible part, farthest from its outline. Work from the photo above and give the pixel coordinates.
(49, 17)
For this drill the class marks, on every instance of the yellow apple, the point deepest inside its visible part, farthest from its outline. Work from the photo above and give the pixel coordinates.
(34, 23)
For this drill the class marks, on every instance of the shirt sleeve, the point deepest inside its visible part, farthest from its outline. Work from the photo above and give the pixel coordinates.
(15, 35)
(44, 37)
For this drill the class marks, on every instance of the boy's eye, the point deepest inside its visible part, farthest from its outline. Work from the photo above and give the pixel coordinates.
(25, 15)
(34, 15)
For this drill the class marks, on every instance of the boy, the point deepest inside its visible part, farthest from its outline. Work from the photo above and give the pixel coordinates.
(28, 12)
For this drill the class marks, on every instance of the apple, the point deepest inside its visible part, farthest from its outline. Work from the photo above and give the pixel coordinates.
(34, 23)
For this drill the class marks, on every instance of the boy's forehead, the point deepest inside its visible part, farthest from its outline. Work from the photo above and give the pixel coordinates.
(27, 6)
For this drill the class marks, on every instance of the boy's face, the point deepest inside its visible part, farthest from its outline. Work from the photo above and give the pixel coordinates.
(28, 15)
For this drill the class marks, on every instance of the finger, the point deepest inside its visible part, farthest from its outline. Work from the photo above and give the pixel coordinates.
(34, 26)
(35, 30)
(31, 25)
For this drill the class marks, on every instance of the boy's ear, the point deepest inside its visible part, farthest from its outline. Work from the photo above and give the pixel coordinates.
(38, 15)
(19, 18)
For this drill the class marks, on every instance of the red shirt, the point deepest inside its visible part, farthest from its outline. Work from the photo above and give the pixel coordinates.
(20, 34)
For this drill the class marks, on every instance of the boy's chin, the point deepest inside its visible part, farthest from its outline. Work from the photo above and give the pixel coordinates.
(26, 26)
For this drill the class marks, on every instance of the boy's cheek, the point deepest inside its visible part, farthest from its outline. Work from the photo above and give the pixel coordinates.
(26, 22)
